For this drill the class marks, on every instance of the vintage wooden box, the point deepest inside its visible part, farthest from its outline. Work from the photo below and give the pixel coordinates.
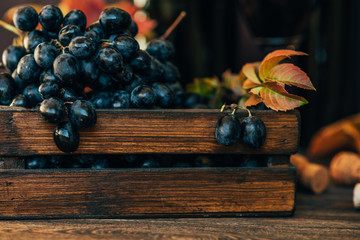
(160, 192)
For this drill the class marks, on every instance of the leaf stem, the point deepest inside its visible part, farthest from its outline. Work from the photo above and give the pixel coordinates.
(173, 25)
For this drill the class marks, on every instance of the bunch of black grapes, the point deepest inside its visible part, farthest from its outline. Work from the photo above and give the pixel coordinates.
(68, 70)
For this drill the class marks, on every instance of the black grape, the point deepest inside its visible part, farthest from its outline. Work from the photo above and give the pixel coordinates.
(66, 137)
(45, 54)
(82, 114)
(25, 18)
(52, 110)
(50, 17)
(11, 56)
(7, 89)
(27, 69)
(253, 131)
(114, 20)
(75, 17)
(143, 97)
(227, 131)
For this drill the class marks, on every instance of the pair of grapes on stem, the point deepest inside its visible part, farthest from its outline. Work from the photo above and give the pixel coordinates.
(229, 130)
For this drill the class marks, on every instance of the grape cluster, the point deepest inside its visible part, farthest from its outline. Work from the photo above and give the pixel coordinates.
(251, 130)
(68, 70)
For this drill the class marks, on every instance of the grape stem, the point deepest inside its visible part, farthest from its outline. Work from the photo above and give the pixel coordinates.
(234, 107)
(10, 28)
(173, 25)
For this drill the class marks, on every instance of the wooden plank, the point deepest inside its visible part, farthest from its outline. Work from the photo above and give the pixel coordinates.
(326, 216)
(24, 132)
(147, 193)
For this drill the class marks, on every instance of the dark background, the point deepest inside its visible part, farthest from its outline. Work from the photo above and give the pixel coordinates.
(220, 35)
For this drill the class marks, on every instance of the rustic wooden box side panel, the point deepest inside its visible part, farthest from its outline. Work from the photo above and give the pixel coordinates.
(24, 132)
(141, 193)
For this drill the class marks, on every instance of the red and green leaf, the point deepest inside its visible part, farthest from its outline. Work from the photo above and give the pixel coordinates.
(273, 59)
(277, 98)
(289, 74)
(253, 100)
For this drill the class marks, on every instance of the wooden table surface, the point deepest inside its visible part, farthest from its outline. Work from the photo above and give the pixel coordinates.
(328, 216)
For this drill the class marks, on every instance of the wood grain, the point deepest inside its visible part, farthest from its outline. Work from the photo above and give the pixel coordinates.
(327, 216)
(146, 193)
(24, 132)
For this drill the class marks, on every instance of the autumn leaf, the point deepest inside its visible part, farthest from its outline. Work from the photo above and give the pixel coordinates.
(253, 100)
(289, 74)
(205, 87)
(273, 59)
(233, 82)
(250, 72)
(248, 84)
(277, 98)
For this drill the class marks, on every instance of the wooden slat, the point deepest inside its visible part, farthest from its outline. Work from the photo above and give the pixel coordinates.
(144, 193)
(24, 132)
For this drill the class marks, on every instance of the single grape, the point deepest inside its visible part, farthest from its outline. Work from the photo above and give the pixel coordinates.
(67, 94)
(47, 75)
(7, 89)
(253, 131)
(67, 33)
(102, 99)
(66, 137)
(161, 49)
(141, 62)
(20, 100)
(20, 84)
(143, 97)
(34, 38)
(114, 20)
(133, 28)
(82, 114)
(11, 56)
(156, 71)
(100, 163)
(32, 93)
(81, 47)
(104, 82)
(52, 110)
(121, 99)
(49, 89)
(171, 72)
(27, 69)
(36, 162)
(178, 91)
(127, 46)
(77, 18)
(93, 36)
(50, 18)
(25, 18)
(96, 27)
(136, 80)
(125, 75)
(45, 54)
(192, 99)
(109, 59)
(66, 68)
(227, 131)
(164, 95)
(89, 71)
(122, 34)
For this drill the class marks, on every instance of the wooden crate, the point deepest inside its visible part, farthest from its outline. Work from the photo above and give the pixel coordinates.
(162, 192)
